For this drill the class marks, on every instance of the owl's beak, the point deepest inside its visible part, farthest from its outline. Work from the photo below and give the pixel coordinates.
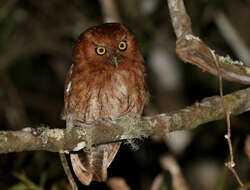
(115, 61)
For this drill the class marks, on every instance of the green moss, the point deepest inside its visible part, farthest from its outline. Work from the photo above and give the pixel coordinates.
(41, 132)
(132, 131)
(228, 102)
(88, 135)
(229, 60)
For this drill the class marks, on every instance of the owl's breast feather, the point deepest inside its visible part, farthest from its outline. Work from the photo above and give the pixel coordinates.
(109, 96)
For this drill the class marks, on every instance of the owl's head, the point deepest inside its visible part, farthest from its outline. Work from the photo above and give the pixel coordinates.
(107, 46)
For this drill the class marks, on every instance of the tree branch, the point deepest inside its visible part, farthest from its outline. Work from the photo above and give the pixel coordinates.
(193, 50)
(109, 11)
(63, 140)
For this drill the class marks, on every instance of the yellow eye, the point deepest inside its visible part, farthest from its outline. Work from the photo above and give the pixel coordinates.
(100, 50)
(123, 45)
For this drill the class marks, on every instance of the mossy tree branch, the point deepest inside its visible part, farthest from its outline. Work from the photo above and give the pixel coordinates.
(190, 49)
(63, 140)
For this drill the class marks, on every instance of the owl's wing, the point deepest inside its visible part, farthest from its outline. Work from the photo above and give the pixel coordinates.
(93, 165)
(67, 92)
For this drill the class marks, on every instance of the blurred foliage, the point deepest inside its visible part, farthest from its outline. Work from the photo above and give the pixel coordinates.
(36, 41)
(167, 185)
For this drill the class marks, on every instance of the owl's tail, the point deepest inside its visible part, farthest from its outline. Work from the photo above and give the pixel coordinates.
(92, 165)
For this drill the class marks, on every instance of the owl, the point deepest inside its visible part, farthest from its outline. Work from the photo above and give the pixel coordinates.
(106, 81)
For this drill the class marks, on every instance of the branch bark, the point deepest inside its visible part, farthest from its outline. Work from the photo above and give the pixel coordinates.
(193, 50)
(109, 11)
(64, 140)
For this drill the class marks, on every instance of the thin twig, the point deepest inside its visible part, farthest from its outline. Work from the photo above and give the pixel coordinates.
(228, 137)
(67, 171)
(230, 164)
(236, 175)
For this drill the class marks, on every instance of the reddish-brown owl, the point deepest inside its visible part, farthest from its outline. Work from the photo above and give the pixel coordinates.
(106, 81)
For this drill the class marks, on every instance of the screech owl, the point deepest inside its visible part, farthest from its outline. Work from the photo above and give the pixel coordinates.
(106, 81)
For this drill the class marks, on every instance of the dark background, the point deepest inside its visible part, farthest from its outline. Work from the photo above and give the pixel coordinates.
(36, 41)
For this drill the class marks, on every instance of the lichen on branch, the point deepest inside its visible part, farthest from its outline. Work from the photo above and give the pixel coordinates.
(65, 140)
